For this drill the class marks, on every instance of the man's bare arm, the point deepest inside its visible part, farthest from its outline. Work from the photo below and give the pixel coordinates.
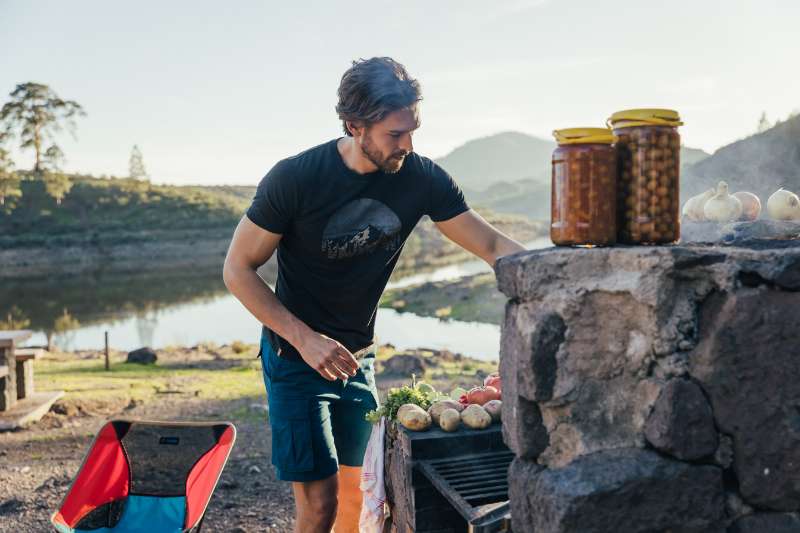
(470, 231)
(250, 248)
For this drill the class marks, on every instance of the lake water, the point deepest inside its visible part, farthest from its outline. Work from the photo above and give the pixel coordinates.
(158, 309)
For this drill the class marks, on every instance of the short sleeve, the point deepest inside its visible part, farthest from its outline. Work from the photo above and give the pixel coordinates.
(275, 202)
(446, 198)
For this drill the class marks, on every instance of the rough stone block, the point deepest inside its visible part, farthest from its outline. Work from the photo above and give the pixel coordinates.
(767, 523)
(738, 232)
(523, 431)
(748, 362)
(521, 474)
(682, 423)
(628, 490)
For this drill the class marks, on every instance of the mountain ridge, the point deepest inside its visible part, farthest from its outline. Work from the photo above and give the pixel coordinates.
(509, 172)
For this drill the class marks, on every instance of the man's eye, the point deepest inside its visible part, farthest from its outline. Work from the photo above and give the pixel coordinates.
(395, 135)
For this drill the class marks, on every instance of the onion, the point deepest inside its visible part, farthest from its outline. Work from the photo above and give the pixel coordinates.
(693, 208)
(751, 205)
(783, 205)
(722, 207)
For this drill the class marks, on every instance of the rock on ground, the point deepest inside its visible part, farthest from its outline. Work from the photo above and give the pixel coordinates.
(145, 356)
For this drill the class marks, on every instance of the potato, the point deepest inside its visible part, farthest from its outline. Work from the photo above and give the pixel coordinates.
(476, 417)
(405, 408)
(436, 409)
(413, 417)
(449, 419)
(493, 407)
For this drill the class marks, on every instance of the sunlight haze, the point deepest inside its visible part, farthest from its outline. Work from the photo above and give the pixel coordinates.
(218, 92)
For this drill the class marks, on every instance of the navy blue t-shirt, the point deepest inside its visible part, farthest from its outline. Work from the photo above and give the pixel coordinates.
(342, 235)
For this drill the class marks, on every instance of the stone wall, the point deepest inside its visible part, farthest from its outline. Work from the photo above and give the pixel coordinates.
(653, 388)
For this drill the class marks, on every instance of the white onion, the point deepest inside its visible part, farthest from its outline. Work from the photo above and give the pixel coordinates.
(693, 208)
(722, 207)
(783, 205)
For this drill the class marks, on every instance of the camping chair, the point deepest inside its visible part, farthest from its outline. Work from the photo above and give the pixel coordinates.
(155, 477)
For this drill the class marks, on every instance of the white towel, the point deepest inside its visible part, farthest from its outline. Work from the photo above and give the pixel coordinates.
(372, 487)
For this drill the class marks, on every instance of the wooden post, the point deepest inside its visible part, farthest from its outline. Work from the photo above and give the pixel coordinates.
(108, 364)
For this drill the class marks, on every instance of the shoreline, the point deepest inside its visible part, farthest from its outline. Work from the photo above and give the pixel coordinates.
(473, 298)
(183, 249)
(443, 369)
(81, 253)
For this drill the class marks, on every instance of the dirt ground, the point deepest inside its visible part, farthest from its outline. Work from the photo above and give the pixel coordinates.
(38, 463)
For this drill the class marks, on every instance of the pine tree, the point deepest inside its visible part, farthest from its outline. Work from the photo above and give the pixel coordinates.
(36, 112)
(136, 165)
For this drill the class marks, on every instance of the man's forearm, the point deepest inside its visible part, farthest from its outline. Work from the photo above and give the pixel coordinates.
(504, 245)
(248, 287)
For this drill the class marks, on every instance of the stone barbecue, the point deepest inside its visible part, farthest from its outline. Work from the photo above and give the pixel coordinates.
(653, 388)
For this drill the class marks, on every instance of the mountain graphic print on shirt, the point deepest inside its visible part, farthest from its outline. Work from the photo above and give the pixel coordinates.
(359, 227)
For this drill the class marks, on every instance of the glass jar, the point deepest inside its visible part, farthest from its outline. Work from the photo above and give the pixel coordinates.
(648, 185)
(583, 194)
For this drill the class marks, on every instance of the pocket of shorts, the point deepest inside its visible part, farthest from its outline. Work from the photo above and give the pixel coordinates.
(368, 369)
(265, 353)
(292, 447)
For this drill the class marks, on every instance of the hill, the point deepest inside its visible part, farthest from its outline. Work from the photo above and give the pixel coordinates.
(507, 156)
(105, 208)
(761, 163)
(510, 172)
(135, 225)
(690, 156)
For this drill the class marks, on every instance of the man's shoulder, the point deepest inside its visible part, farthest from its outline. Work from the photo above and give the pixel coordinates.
(420, 164)
(310, 157)
(303, 164)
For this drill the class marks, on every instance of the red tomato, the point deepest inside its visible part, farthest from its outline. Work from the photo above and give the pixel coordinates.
(481, 395)
(493, 380)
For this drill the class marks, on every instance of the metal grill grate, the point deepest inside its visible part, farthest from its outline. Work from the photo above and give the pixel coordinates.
(476, 485)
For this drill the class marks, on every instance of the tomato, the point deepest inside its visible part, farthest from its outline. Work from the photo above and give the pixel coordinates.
(481, 395)
(493, 380)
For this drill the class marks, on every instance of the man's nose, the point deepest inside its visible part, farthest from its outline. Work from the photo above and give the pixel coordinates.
(406, 143)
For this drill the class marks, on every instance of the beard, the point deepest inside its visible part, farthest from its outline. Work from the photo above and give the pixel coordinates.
(390, 164)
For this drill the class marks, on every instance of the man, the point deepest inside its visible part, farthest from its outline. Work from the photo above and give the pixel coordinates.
(339, 214)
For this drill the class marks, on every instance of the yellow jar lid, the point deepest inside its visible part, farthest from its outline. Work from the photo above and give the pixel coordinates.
(584, 136)
(644, 117)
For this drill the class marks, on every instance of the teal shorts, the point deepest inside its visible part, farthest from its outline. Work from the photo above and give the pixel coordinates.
(316, 424)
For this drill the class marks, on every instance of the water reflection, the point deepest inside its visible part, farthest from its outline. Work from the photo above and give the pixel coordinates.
(165, 307)
(57, 305)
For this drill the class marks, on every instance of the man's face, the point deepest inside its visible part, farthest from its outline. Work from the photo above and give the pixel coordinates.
(388, 142)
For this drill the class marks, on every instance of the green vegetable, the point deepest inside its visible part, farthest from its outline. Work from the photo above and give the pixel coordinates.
(395, 399)
(457, 393)
(425, 388)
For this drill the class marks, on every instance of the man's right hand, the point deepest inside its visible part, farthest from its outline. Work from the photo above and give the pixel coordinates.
(328, 357)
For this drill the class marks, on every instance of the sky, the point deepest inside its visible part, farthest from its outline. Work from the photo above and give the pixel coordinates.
(218, 92)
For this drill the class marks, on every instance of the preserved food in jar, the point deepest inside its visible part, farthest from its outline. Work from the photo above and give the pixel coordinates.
(648, 186)
(583, 194)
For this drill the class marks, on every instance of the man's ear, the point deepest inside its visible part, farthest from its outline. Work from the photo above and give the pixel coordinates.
(356, 129)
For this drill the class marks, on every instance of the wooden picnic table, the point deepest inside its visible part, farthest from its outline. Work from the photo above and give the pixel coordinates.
(19, 403)
(9, 338)
(9, 393)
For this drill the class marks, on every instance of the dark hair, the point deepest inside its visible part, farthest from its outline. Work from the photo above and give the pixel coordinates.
(373, 88)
